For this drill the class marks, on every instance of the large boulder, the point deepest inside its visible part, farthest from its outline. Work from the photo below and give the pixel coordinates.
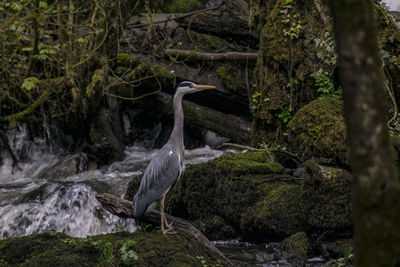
(239, 195)
(318, 131)
(277, 214)
(118, 249)
(326, 196)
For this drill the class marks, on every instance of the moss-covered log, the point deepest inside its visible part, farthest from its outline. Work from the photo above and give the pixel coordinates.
(124, 208)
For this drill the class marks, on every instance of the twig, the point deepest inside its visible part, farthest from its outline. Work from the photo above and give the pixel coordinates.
(274, 149)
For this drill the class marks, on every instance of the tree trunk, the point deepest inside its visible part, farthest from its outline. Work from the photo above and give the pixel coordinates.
(376, 187)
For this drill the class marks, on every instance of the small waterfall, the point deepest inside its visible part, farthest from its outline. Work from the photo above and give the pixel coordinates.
(51, 191)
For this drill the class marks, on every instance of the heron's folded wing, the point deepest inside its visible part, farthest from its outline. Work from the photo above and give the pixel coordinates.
(161, 174)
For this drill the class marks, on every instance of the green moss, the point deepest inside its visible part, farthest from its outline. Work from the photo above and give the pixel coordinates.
(296, 248)
(244, 164)
(279, 213)
(184, 6)
(283, 69)
(208, 42)
(227, 74)
(326, 197)
(124, 60)
(318, 130)
(218, 194)
(152, 248)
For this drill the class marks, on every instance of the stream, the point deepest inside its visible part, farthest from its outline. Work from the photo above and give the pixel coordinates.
(43, 195)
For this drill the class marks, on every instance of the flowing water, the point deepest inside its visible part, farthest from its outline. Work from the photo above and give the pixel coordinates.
(34, 197)
(42, 193)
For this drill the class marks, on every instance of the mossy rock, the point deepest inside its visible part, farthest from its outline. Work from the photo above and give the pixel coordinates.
(296, 248)
(152, 249)
(284, 71)
(278, 214)
(337, 248)
(220, 194)
(327, 196)
(318, 130)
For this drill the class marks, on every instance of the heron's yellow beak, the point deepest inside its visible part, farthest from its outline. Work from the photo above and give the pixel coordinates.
(204, 87)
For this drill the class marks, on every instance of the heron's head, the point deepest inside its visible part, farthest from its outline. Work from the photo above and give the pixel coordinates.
(190, 87)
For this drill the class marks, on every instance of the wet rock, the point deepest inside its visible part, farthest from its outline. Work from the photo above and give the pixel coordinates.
(141, 249)
(67, 166)
(244, 192)
(107, 146)
(326, 197)
(277, 214)
(133, 187)
(218, 228)
(295, 248)
(318, 131)
(337, 248)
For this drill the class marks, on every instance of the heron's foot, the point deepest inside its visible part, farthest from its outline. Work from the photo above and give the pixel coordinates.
(169, 231)
(169, 225)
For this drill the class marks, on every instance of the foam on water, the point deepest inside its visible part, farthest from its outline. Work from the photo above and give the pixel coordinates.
(30, 203)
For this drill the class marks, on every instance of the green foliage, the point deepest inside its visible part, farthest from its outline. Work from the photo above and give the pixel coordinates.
(29, 83)
(341, 262)
(47, 41)
(106, 252)
(327, 52)
(202, 261)
(128, 256)
(292, 21)
(255, 98)
(285, 115)
(386, 56)
(325, 86)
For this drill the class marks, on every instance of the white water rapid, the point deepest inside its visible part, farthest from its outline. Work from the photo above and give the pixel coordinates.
(44, 193)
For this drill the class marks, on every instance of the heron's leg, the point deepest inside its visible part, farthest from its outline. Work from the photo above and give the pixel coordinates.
(162, 215)
(164, 219)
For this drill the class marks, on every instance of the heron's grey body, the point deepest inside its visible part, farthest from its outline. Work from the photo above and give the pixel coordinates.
(165, 169)
(162, 173)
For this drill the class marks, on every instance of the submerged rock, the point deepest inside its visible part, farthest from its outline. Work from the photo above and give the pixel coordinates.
(295, 248)
(67, 166)
(118, 249)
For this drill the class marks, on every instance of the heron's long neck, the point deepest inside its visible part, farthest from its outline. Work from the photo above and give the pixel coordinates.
(177, 133)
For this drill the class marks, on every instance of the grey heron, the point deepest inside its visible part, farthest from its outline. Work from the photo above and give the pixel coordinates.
(165, 169)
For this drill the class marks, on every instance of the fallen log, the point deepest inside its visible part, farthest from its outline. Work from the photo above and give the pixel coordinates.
(124, 208)
(226, 125)
(193, 55)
